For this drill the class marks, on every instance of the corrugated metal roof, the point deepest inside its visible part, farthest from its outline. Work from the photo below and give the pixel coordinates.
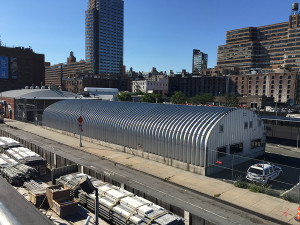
(38, 94)
(159, 129)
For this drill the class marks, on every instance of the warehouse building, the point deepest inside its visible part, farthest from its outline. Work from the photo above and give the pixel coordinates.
(28, 104)
(188, 137)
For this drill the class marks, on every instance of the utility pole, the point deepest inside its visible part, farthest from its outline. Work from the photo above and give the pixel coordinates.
(80, 122)
(232, 168)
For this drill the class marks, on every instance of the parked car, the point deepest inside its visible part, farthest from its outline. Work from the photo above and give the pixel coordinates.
(263, 172)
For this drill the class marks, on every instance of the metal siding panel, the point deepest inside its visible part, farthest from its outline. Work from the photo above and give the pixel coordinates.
(173, 131)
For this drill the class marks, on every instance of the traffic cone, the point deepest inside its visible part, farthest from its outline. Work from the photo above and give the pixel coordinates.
(297, 218)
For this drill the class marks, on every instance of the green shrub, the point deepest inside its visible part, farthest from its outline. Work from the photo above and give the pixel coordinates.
(254, 188)
(264, 188)
(288, 197)
(240, 183)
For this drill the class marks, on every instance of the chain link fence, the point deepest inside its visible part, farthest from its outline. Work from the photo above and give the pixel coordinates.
(286, 185)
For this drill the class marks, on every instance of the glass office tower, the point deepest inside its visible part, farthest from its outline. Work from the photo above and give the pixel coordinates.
(199, 61)
(104, 36)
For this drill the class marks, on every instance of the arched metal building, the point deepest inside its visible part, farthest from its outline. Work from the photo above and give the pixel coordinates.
(193, 135)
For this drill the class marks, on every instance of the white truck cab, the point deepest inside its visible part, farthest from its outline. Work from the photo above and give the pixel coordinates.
(263, 172)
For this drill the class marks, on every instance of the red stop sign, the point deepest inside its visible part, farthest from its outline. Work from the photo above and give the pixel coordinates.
(80, 119)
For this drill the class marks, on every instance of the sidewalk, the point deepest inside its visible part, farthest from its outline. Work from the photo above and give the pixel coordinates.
(261, 203)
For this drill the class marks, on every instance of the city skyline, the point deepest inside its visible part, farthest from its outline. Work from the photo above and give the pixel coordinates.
(156, 34)
(104, 38)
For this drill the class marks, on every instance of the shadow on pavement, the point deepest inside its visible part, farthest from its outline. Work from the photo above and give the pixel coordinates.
(289, 178)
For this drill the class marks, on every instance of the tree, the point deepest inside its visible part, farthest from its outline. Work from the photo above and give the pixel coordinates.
(231, 100)
(178, 98)
(124, 96)
(139, 92)
(151, 98)
(202, 99)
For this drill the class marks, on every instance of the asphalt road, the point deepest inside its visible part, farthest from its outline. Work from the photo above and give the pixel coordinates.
(284, 150)
(209, 208)
(16, 210)
(287, 157)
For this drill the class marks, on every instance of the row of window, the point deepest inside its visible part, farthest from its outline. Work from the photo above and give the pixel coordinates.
(237, 148)
(221, 126)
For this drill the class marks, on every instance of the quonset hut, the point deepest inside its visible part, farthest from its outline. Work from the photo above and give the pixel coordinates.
(189, 137)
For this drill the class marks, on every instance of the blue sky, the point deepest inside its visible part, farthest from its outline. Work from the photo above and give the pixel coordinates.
(158, 33)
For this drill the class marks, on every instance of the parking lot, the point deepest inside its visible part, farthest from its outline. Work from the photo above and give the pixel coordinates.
(290, 167)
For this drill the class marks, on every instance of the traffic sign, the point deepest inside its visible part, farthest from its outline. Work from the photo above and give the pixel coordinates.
(80, 119)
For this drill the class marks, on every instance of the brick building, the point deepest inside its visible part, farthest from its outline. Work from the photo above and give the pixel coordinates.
(77, 83)
(20, 67)
(267, 47)
(280, 85)
(57, 73)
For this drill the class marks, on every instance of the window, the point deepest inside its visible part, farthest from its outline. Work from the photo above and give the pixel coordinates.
(221, 128)
(221, 152)
(250, 124)
(256, 143)
(267, 172)
(246, 125)
(236, 148)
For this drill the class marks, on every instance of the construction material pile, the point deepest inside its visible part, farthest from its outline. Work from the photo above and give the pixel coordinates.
(6, 142)
(37, 193)
(6, 161)
(26, 156)
(17, 174)
(71, 182)
(120, 206)
(33, 186)
(14, 150)
(60, 201)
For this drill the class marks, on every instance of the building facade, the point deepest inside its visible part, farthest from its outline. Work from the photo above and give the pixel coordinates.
(281, 85)
(191, 138)
(157, 85)
(20, 67)
(78, 83)
(199, 61)
(267, 47)
(104, 36)
(57, 73)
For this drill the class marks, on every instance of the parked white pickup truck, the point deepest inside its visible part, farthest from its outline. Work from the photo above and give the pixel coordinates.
(263, 172)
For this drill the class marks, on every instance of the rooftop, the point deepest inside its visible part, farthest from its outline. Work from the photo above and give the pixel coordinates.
(38, 94)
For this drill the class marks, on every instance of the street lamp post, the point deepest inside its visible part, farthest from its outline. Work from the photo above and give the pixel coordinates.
(89, 188)
(35, 112)
(80, 127)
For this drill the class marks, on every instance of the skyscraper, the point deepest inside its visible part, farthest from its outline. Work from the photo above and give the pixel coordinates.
(199, 61)
(104, 34)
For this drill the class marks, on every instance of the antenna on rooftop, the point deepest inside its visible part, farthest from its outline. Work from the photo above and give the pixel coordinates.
(295, 8)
